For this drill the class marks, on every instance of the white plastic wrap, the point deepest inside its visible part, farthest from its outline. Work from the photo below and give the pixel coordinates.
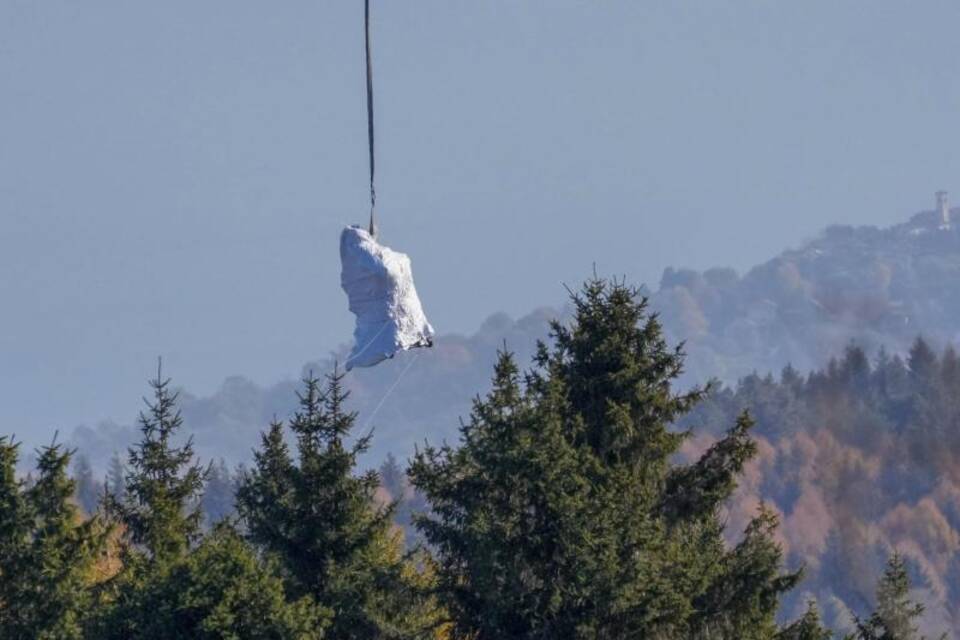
(379, 286)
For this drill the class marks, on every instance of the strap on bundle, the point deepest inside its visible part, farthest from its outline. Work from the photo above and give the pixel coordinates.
(373, 191)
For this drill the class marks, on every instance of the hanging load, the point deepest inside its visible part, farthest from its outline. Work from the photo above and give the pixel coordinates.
(378, 282)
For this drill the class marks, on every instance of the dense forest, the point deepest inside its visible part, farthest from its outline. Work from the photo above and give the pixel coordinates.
(858, 459)
(572, 506)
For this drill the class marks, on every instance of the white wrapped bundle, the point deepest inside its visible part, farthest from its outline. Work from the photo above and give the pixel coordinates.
(379, 286)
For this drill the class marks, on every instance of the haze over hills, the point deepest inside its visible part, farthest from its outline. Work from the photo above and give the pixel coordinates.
(875, 287)
(856, 448)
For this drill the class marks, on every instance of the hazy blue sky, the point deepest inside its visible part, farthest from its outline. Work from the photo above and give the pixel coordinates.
(174, 175)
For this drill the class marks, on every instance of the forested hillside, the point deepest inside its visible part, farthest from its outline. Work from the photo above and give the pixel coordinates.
(877, 287)
(568, 507)
(858, 459)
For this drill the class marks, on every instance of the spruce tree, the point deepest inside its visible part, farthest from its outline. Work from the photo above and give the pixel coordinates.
(89, 491)
(808, 627)
(15, 529)
(176, 583)
(896, 614)
(159, 515)
(217, 503)
(922, 360)
(223, 590)
(264, 497)
(563, 513)
(392, 477)
(318, 518)
(163, 483)
(47, 591)
(115, 483)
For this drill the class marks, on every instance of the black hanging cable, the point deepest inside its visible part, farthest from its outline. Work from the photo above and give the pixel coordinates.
(373, 191)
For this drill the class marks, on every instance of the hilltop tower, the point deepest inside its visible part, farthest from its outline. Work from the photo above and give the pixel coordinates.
(943, 208)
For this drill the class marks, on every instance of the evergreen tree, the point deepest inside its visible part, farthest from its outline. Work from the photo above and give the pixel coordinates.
(218, 494)
(562, 514)
(15, 530)
(392, 477)
(319, 520)
(896, 614)
(265, 493)
(115, 484)
(163, 484)
(89, 491)
(950, 370)
(160, 517)
(47, 591)
(221, 589)
(808, 627)
(407, 502)
(791, 378)
(175, 583)
(922, 361)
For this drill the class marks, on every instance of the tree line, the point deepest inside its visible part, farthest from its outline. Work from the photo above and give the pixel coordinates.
(858, 458)
(561, 513)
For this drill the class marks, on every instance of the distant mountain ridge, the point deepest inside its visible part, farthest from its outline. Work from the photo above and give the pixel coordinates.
(875, 287)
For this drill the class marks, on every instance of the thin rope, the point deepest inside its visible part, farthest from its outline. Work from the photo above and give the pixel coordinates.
(373, 191)
(376, 409)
